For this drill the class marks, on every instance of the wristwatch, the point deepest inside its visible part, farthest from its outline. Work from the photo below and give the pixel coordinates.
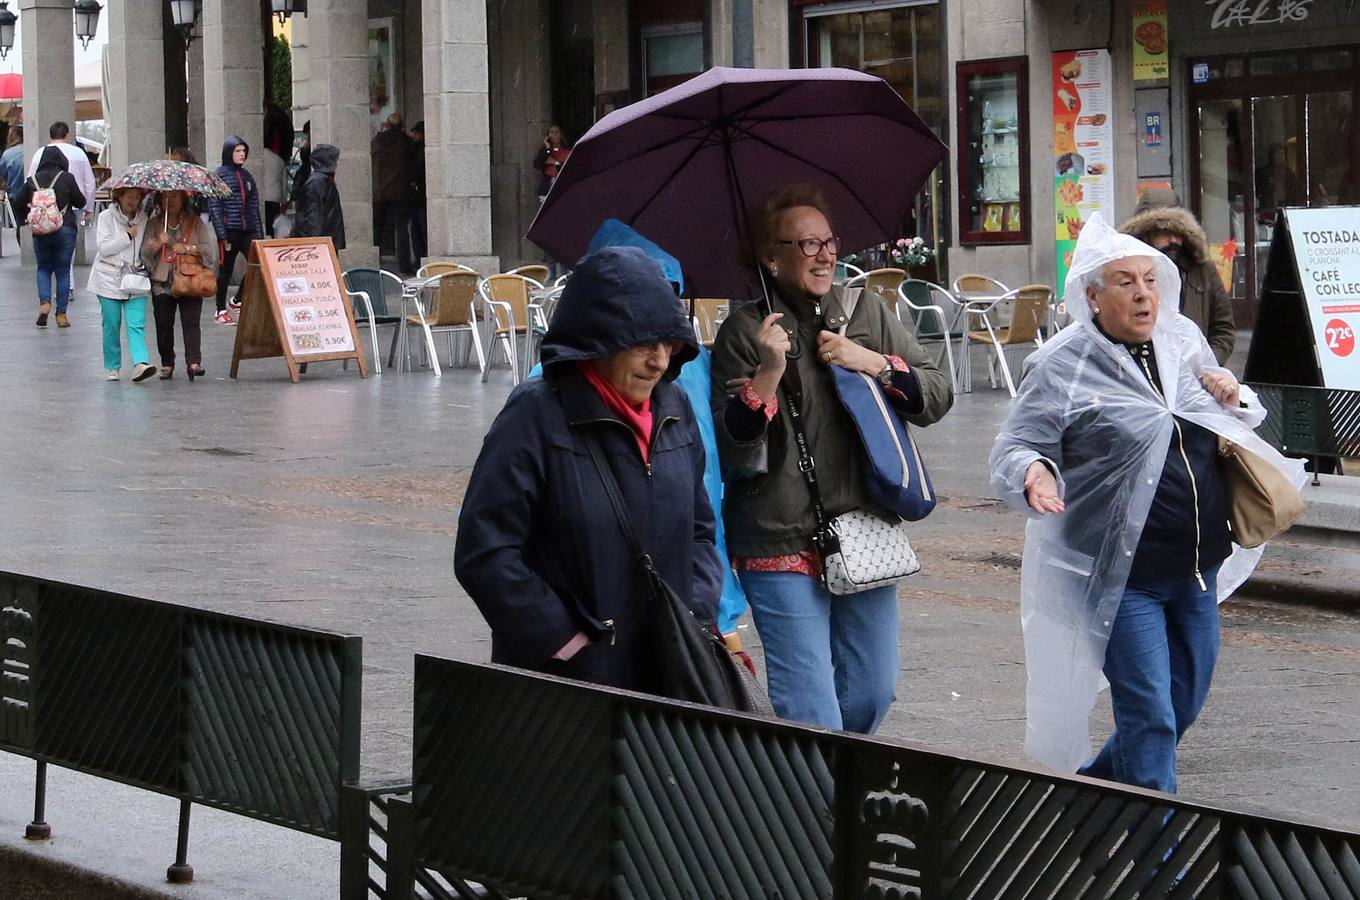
(885, 377)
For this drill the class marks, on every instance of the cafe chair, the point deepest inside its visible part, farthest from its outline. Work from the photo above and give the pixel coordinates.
(376, 290)
(506, 303)
(1028, 311)
(445, 304)
(845, 271)
(536, 271)
(917, 301)
(883, 282)
(709, 314)
(978, 295)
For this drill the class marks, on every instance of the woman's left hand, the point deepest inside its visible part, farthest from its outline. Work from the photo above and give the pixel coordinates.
(1223, 386)
(834, 349)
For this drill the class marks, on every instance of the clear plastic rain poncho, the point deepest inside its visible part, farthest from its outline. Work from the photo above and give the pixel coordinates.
(1085, 408)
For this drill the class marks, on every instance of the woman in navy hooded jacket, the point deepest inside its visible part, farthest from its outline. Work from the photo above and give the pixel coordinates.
(539, 549)
(235, 218)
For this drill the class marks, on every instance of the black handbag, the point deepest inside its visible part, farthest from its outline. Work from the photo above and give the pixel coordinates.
(695, 665)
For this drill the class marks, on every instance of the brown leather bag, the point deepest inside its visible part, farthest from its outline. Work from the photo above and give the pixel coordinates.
(190, 277)
(1262, 500)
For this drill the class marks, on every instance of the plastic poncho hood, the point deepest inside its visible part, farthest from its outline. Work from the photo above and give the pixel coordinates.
(1086, 409)
(617, 298)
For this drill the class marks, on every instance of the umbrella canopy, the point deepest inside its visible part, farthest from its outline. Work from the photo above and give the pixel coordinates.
(11, 86)
(172, 175)
(684, 166)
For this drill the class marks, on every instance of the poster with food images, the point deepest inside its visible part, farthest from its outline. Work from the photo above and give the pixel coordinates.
(1150, 59)
(1083, 146)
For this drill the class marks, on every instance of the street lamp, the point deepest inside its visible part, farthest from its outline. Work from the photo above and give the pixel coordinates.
(87, 20)
(7, 20)
(182, 14)
(283, 9)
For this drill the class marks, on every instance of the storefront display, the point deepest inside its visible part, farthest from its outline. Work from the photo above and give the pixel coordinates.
(993, 151)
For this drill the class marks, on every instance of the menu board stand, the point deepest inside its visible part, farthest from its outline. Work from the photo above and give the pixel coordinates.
(293, 305)
(1281, 349)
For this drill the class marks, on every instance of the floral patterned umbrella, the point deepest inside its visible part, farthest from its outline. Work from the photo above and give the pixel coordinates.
(171, 175)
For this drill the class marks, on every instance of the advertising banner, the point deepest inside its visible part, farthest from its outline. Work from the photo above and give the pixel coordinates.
(1083, 145)
(1150, 59)
(1327, 253)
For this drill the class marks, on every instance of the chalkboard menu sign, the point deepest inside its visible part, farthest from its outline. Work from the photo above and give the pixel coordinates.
(293, 305)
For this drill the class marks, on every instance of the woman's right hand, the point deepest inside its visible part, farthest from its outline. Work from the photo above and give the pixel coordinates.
(1041, 489)
(772, 343)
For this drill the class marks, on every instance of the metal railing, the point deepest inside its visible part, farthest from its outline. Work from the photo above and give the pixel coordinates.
(527, 786)
(246, 716)
(1311, 422)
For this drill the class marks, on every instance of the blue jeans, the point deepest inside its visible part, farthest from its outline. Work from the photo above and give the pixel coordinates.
(53, 253)
(1160, 660)
(830, 661)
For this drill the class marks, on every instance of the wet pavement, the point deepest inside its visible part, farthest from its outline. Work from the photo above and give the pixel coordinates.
(332, 503)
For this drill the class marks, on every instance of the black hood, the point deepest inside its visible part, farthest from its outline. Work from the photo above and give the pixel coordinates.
(229, 147)
(617, 298)
(52, 158)
(324, 158)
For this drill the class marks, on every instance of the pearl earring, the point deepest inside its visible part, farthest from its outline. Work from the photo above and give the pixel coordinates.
(774, 270)
(1096, 310)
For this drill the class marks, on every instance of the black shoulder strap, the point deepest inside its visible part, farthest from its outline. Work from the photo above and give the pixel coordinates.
(792, 383)
(611, 489)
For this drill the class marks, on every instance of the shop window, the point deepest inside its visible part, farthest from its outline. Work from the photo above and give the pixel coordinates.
(672, 54)
(993, 152)
(902, 43)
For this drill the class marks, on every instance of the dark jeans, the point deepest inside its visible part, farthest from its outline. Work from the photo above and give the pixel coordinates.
(420, 236)
(400, 214)
(190, 312)
(238, 242)
(271, 212)
(53, 253)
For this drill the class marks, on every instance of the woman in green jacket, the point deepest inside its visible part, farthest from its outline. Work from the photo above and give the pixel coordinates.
(831, 661)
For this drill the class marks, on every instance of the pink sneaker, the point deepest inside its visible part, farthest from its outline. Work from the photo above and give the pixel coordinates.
(224, 317)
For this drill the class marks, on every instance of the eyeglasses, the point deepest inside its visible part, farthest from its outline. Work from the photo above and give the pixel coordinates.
(813, 246)
(670, 348)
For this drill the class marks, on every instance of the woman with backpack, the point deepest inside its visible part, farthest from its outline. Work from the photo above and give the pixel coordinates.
(49, 203)
(180, 255)
(120, 282)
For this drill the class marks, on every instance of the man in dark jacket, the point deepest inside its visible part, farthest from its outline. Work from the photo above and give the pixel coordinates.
(318, 212)
(235, 218)
(1161, 221)
(539, 547)
(391, 150)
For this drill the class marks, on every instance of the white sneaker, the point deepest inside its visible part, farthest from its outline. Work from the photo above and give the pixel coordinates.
(143, 371)
(110, 374)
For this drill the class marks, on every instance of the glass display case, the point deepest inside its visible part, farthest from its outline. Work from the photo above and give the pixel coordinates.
(993, 152)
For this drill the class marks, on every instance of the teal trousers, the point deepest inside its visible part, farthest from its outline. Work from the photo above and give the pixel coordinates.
(114, 313)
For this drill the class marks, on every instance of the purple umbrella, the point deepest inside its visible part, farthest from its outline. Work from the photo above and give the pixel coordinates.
(683, 167)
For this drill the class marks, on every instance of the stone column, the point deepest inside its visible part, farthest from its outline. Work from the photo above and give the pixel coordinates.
(770, 33)
(458, 132)
(47, 32)
(233, 80)
(302, 92)
(136, 86)
(198, 137)
(337, 96)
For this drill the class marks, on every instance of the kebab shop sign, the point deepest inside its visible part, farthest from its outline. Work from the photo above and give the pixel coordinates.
(292, 306)
(1327, 252)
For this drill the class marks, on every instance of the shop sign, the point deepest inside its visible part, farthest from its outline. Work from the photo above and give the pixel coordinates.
(1083, 145)
(1149, 40)
(1327, 253)
(1152, 129)
(1199, 73)
(1248, 13)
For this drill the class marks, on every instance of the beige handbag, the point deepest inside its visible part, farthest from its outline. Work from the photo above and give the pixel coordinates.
(1262, 501)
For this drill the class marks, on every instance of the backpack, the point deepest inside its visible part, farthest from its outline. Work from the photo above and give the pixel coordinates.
(44, 215)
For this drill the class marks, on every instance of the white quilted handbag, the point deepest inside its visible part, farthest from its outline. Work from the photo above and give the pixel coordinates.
(862, 551)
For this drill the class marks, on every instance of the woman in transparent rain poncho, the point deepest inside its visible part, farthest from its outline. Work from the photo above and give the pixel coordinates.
(1111, 449)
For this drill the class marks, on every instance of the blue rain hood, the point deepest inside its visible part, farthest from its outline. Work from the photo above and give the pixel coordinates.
(617, 298)
(615, 233)
(229, 147)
